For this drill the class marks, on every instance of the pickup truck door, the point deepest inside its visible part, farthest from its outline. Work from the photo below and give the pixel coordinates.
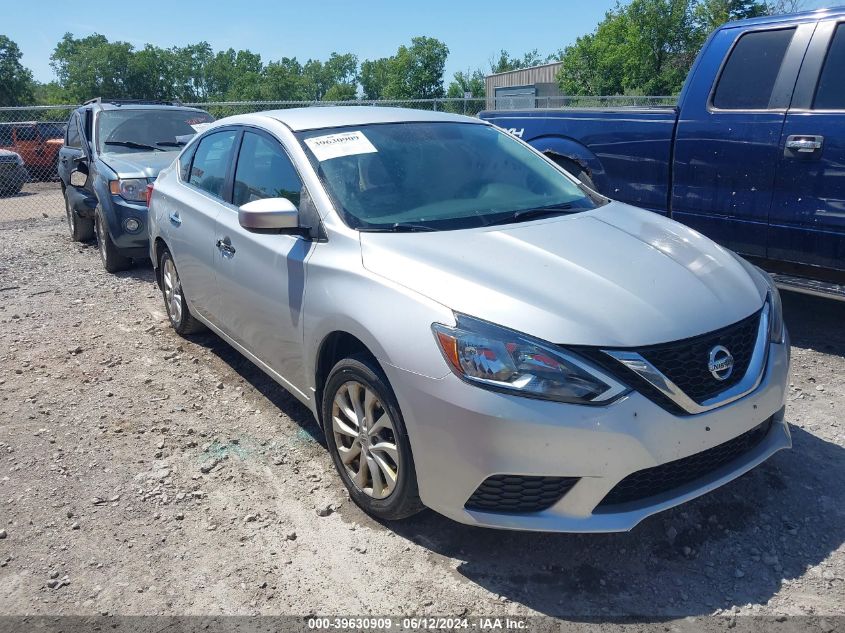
(807, 221)
(726, 141)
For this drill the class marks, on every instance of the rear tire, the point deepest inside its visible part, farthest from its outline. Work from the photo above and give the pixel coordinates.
(81, 229)
(113, 260)
(174, 298)
(367, 439)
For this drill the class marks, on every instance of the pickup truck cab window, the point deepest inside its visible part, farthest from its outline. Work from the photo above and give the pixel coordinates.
(830, 93)
(264, 171)
(749, 76)
(211, 162)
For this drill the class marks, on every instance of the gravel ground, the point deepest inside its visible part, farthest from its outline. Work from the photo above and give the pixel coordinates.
(141, 473)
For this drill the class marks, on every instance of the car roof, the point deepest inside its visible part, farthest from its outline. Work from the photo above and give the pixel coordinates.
(317, 117)
(106, 105)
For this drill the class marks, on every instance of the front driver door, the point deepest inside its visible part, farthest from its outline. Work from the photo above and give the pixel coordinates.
(261, 276)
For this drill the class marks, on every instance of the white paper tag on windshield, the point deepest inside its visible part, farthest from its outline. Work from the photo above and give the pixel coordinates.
(337, 145)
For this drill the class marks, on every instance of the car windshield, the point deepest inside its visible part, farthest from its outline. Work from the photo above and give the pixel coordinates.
(147, 129)
(437, 176)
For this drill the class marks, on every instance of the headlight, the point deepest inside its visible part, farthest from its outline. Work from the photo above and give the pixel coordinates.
(500, 359)
(777, 330)
(132, 189)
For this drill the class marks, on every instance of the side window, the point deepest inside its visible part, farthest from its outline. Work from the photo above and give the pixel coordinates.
(749, 75)
(26, 133)
(264, 171)
(185, 162)
(72, 135)
(211, 162)
(830, 93)
(5, 135)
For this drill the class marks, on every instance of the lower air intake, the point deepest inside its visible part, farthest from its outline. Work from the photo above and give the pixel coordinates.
(517, 494)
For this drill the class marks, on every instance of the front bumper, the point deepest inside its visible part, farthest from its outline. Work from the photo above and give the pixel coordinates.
(461, 435)
(132, 243)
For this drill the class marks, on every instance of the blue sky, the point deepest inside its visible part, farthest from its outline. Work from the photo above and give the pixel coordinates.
(474, 31)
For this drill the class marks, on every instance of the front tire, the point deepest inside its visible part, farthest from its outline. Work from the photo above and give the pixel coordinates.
(113, 260)
(174, 298)
(368, 441)
(81, 229)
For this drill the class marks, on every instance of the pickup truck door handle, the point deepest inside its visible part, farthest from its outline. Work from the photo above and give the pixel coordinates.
(225, 246)
(804, 144)
(175, 219)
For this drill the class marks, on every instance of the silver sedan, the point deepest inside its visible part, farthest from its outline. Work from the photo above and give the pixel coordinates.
(476, 331)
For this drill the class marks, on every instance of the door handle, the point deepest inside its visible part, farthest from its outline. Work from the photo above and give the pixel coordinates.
(225, 246)
(175, 219)
(804, 143)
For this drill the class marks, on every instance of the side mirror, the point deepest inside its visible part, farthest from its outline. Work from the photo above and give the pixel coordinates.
(78, 178)
(269, 214)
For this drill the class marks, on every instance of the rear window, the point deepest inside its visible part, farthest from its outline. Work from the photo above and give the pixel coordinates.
(830, 93)
(749, 76)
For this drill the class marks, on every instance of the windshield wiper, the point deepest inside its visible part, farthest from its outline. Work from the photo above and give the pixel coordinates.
(133, 145)
(534, 213)
(171, 143)
(398, 227)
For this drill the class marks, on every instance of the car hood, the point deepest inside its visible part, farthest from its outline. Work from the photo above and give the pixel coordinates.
(138, 164)
(616, 276)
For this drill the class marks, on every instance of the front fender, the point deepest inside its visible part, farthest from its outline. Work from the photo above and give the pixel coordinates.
(571, 149)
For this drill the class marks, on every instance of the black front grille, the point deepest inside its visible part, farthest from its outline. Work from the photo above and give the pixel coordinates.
(654, 481)
(519, 494)
(685, 362)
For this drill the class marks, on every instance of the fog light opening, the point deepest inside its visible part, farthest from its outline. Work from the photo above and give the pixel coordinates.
(132, 225)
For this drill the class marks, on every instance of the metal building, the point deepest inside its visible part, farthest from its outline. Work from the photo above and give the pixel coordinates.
(520, 89)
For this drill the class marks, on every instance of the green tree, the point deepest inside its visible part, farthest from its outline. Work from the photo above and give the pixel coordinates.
(283, 81)
(464, 82)
(416, 71)
(341, 92)
(505, 63)
(16, 85)
(92, 66)
(374, 77)
(648, 46)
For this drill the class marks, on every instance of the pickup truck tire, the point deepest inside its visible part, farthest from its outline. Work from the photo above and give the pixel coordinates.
(81, 229)
(360, 445)
(574, 169)
(113, 260)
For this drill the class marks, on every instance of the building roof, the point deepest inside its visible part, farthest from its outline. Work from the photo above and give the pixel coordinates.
(527, 68)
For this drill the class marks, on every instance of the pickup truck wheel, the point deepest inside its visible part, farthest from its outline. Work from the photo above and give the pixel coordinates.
(81, 229)
(575, 170)
(367, 439)
(113, 260)
(174, 298)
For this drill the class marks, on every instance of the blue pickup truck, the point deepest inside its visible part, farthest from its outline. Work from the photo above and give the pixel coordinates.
(753, 155)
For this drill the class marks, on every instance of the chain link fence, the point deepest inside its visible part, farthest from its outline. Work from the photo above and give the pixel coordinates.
(31, 137)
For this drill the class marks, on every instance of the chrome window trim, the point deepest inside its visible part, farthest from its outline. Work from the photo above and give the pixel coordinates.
(750, 381)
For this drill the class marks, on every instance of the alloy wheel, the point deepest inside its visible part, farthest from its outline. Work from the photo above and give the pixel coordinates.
(172, 291)
(365, 439)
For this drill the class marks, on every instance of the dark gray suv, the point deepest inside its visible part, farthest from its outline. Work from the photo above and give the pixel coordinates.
(112, 151)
